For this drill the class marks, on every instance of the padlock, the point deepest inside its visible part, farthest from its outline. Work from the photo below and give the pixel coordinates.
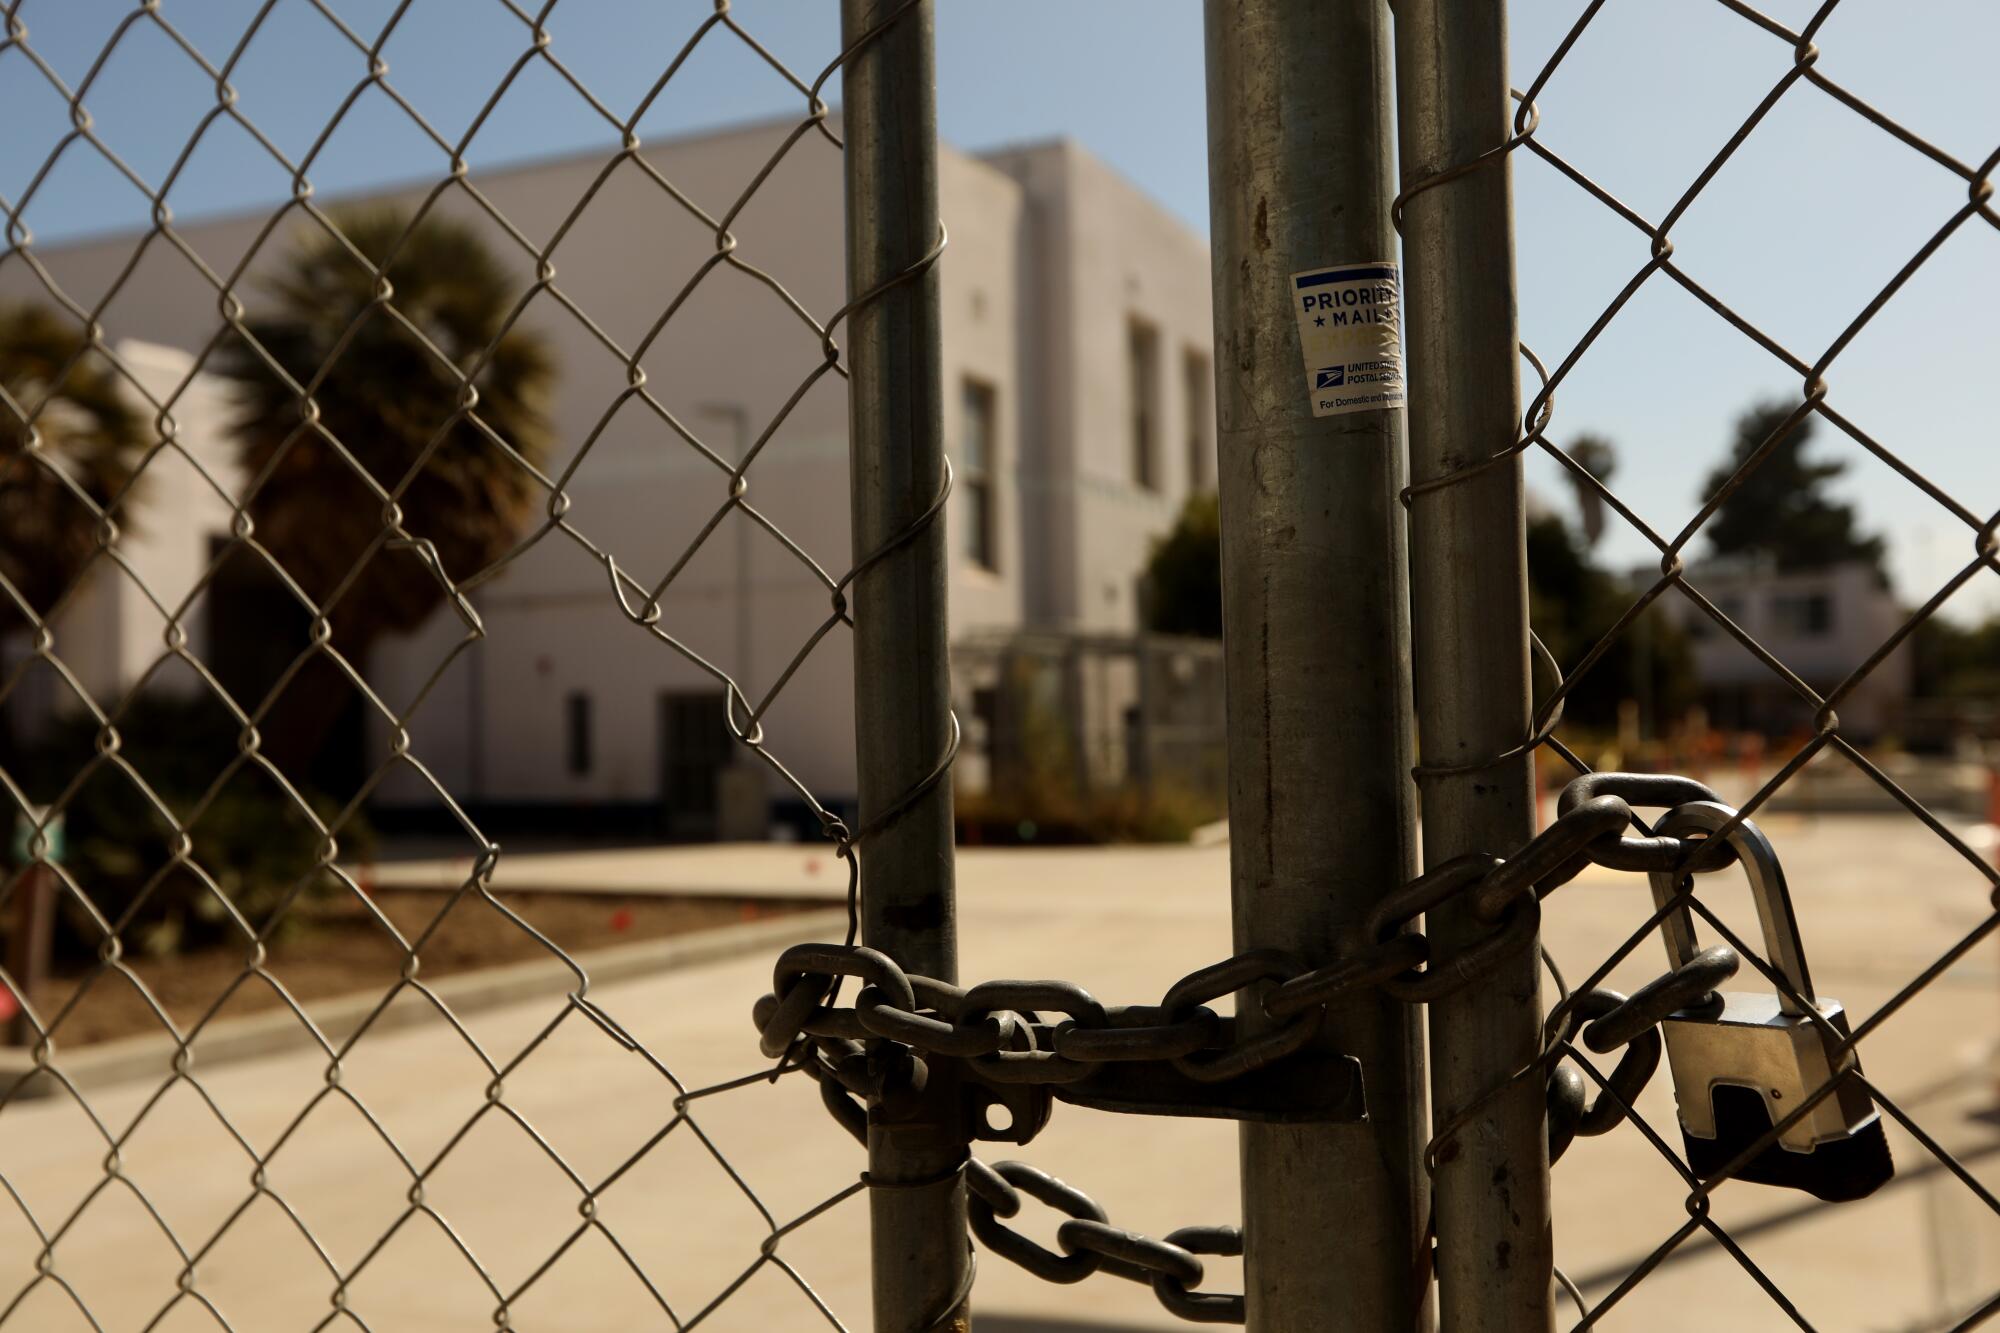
(1743, 1061)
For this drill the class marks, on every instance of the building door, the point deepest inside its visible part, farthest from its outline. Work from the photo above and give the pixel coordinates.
(694, 748)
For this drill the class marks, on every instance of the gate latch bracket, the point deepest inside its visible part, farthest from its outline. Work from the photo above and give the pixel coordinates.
(1309, 1087)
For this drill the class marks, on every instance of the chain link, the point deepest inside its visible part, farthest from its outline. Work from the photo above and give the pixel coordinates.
(871, 1050)
(1569, 1116)
(1091, 1244)
(1226, 978)
(994, 1025)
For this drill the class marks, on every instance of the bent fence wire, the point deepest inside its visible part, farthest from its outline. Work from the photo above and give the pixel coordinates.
(1795, 73)
(45, 1284)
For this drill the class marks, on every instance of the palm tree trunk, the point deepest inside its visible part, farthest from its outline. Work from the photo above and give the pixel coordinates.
(315, 729)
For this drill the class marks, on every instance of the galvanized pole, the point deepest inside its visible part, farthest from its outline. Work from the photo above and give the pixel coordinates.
(902, 684)
(1315, 631)
(1469, 605)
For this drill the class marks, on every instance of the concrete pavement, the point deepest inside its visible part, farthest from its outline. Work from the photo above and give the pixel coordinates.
(1879, 897)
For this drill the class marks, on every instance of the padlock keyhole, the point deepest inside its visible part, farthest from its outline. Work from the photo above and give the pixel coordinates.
(1743, 1109)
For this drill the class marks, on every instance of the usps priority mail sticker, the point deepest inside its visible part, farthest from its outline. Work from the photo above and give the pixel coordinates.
(1350, 328)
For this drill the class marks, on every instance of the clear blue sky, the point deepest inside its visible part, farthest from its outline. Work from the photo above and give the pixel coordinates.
(1809, 219)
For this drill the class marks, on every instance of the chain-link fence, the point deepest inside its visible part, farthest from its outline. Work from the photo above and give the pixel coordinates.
(361, 402)
(1909, 964)
(393, 1163)
(1765, 1076)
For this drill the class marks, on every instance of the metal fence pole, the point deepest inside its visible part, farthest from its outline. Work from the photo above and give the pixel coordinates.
(1469, 607)
(1316, 639)
(902, 684)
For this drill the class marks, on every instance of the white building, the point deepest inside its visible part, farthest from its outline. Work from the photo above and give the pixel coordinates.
(1822, 624)
(1078, 416)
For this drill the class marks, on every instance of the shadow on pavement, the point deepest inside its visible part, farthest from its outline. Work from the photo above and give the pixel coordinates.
(1700, 1243)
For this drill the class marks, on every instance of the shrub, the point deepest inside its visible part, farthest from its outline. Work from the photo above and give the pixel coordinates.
(1044, 817)
(246, 833)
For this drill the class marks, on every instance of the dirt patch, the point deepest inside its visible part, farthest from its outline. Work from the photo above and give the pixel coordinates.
(338, 947)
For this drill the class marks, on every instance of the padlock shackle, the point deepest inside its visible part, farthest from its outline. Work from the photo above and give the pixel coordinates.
(1783, 948)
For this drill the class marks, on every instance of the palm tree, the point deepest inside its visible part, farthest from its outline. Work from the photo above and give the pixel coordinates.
(89, 435)
(383, 397)
(1595, 455)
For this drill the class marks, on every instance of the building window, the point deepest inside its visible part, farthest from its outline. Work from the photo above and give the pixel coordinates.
(1802, 615)
(576, 733)
(1142, 350)
(976, 457)
(1198, 383)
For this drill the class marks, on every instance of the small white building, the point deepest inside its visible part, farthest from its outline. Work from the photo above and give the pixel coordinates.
(1079, 391)
(111, 633)
(1822, 624)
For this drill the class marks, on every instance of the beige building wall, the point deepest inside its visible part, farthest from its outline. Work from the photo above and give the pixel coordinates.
(1110, 258)
(1822, 624)
(1050, 256)
(114, 630)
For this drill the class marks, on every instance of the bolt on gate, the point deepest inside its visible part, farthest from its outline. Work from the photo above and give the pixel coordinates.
(1402, 1093)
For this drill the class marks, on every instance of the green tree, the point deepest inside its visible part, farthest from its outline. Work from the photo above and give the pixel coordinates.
(1782, 510)
(1953, 661)
(1572, 604)
(1572, 601)
(250, 840)
(89, 432)
(1183, 579)
(383, 396)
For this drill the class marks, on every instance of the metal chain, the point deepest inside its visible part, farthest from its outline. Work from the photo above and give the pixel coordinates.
(874, 1050)
(1607, 1020)
(991, 1024)
(1091, 1244)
